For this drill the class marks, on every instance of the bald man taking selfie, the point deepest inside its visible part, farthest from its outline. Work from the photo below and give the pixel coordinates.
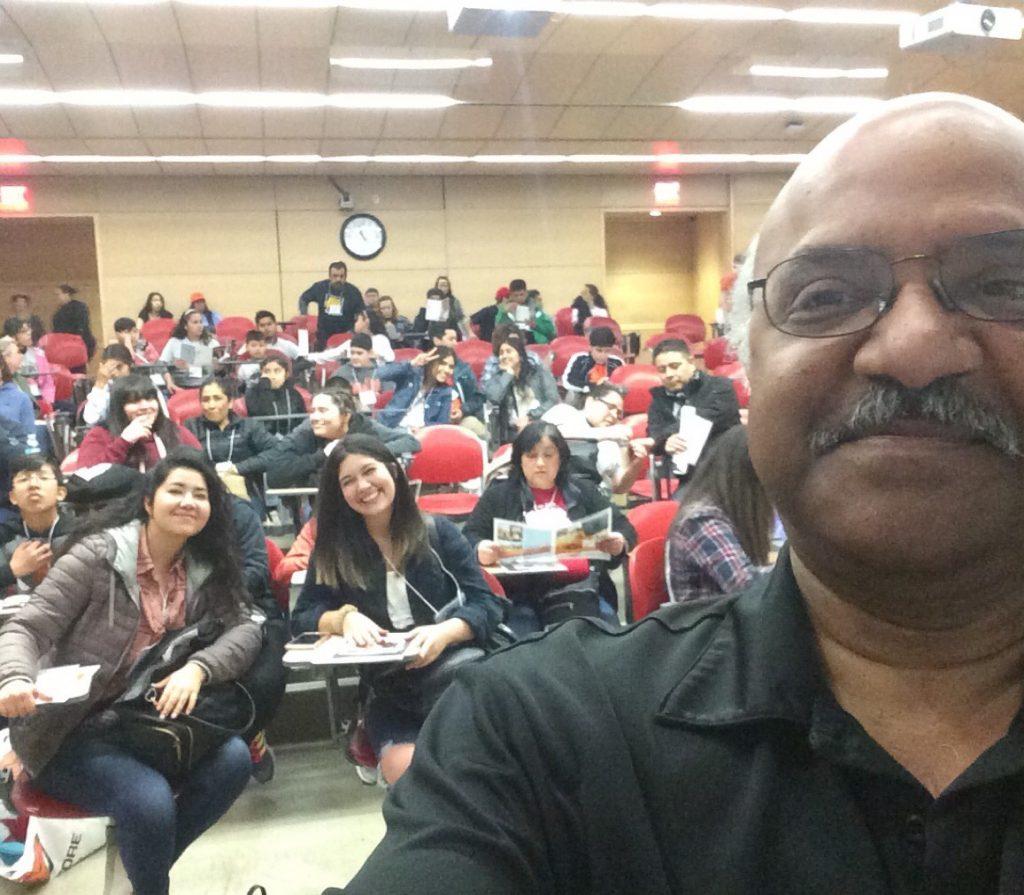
(852, 723)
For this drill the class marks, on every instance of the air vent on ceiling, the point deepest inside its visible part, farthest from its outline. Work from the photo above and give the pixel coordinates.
(495, 22)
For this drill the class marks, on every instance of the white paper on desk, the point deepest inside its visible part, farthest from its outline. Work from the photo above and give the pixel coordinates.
(694, 430)
(435, 309)
(65, 683)
(303, 341)
(340, 651)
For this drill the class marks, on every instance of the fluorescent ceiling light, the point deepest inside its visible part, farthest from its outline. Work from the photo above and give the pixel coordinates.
(708, 12)
(654, 213)
(765, 105)
(511, 159)
(829, 15)
(797, 71)
(411, 64)
(11, 58)
(223, 99)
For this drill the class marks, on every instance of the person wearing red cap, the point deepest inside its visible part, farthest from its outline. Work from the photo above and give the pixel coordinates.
(198, 301)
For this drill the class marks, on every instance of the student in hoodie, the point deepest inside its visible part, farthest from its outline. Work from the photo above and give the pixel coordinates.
(333, 414)
(275, 395)
(592, 367)
(137, 432)
(232, 443)
(712, 397)
(468, 402)
(147, 567)
(360, 371)
(30, 539)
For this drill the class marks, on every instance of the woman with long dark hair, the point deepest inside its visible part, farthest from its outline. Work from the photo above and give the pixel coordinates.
(157, 563)
(395, 325)
(379, 565)
(189, 350)
(423, 390)
(521, 391)
(543, 492)
(137, 432)
(720, 540)
(589, 303)
(155, 308)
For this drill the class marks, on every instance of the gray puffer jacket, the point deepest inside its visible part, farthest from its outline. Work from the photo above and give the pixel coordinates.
(86, 611)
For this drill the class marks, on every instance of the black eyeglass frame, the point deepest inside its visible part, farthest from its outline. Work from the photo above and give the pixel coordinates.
(885, 303)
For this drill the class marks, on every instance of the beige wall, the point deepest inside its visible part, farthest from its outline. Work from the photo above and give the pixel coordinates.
(38, 254)
(251, 242)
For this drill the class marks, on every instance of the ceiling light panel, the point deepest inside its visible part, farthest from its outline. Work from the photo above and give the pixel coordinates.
(410, 64)
(709, 12)
(11, 58)
(223, 99)
(811, 72)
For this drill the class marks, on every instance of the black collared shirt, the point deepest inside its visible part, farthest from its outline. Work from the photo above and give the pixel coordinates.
(698, 751)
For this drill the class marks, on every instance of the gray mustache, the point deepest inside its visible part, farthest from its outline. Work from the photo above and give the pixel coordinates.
(944, 401)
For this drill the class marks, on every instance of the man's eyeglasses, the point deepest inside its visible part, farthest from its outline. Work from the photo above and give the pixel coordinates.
(838, 291)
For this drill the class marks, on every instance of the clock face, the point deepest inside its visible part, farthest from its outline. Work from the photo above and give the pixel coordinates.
(363, 236)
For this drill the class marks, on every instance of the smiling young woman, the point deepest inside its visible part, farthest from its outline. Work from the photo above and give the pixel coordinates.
(156, 564)
(376, 569)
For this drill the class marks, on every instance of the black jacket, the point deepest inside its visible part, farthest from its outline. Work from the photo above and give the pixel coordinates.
(510, 499)
(244, 442)
(577, 371)
(252, 550)
(482, 611)
(698, 752)
(12, 533)
(262, 400)
(712, 397)
(73, 317)
(485, 319)
(298, 458)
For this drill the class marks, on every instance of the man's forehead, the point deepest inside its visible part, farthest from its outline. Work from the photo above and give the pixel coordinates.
(944, 164)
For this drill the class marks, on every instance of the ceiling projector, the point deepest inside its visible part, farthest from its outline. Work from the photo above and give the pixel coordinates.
(961, 27)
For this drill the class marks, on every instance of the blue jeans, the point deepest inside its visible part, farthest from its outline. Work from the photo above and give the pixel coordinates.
(153, 827)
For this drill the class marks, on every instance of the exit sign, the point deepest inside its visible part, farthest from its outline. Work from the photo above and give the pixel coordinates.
(14, 197)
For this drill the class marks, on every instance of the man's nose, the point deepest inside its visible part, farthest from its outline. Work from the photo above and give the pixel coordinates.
(919, 341)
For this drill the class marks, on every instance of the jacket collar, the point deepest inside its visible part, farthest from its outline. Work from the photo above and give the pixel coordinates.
(123, 544)
(760, 664)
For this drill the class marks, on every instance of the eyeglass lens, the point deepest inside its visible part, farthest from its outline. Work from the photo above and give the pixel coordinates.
(839, 291)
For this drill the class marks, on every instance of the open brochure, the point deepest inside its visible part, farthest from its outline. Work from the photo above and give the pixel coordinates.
(337, 650)
(695, 431)
(525, 548)
(65, 683)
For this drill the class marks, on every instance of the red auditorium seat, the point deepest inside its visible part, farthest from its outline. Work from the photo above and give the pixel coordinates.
(338, 339)
(184, 404)
(65, 349)
(450, 455)
(158, 331)
(563, 348)
(592, 323)
(647, 586)
(475, 353)
(563, 322)
(233, 329)
(691, 326)
(280, 589)
(717, 353)
(406, 354)
(638, 380)
(652, 520)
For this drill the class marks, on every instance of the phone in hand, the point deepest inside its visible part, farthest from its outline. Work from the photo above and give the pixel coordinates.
(309, 640)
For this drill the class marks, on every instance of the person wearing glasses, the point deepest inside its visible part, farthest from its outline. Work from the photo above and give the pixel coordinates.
(851, 722)
(602, 448)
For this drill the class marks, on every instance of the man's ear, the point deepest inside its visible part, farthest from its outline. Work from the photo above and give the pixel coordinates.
(62, 494)
(10, 497)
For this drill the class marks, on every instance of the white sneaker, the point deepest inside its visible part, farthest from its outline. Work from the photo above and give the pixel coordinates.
(366, 775)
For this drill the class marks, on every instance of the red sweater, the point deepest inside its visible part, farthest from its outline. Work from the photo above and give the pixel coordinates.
(100, 446)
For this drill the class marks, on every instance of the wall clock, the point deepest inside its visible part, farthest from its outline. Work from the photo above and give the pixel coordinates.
(363, 236)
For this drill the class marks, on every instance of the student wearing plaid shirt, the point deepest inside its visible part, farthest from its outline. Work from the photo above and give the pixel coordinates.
(721, 537)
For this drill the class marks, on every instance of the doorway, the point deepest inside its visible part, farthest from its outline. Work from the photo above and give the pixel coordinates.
(658, 266)
(37, 254)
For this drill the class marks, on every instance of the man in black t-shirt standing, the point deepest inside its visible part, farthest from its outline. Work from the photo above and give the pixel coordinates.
(338, 301)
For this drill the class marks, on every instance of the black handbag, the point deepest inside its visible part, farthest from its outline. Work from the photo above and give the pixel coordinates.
(578, 600)
(417, 690)
(174, 746)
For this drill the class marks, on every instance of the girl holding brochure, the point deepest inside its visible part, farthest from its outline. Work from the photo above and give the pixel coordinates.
(379, 566)
(160, 562)
(542, 491)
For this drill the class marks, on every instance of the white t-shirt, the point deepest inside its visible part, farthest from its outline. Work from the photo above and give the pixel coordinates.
(399, 610)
